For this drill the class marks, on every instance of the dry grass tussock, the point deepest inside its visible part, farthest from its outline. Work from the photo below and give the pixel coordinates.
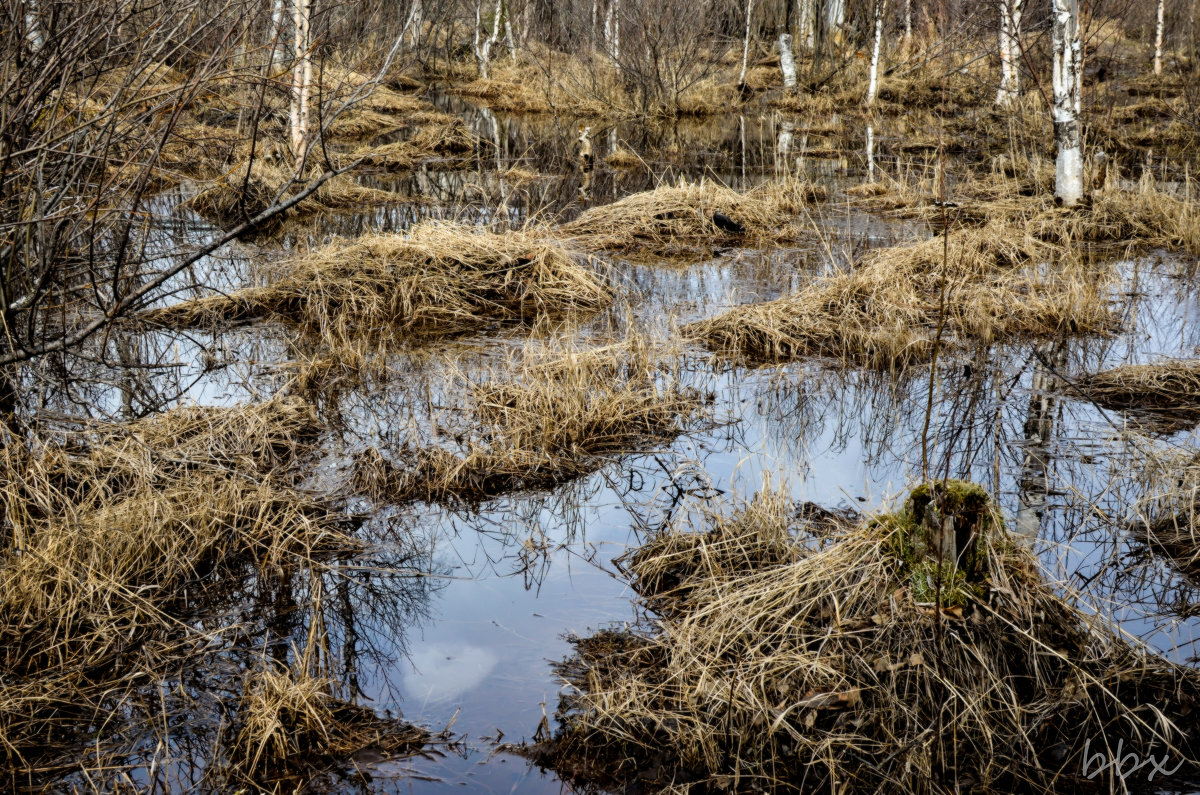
(565, 416)
(791, 658)
(1168, 521)
(1139, 216)
(242, 193)
(292, 725)
(680, 220)
(116, 537)
(439, 279)
(1170, 389)
(986, 284)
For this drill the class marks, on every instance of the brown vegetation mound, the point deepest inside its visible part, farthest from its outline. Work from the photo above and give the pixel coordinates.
(989, 283)
(565, 417)
(1168, 389)
(439, 279)
(674, 220)
(781, 661)
(115, 539)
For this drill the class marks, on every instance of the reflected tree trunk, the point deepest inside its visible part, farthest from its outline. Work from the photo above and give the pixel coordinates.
(1044, 393)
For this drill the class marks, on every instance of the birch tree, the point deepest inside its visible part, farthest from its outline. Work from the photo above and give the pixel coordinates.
(808, 24)
(1010, 47)
(275, 34)
(33, 25)
(880, 7)
(746, 42)
(612, 30)
(1068, 140)
(301, 78)
(483, 46)
(907, 22)
(1158, 39)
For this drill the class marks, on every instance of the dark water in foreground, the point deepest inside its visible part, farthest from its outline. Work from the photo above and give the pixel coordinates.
(495, 592)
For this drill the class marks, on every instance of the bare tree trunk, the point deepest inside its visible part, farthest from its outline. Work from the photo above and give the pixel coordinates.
(1010, 47)
(1068, 182)
(808, 24)
(1158, 40)
(907, 21)
(746, 42)
(301, 78)
(416, 21)
(612, 30)
(835, 19)
(276, 33)
(787, 61)
(509, 39)
(880, 8)
(33, 25)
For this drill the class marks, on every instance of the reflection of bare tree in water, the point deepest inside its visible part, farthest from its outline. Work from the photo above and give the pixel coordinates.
(1032, 489)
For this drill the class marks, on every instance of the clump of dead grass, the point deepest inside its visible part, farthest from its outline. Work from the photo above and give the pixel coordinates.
(439, 279)
(115, 538)
(779, 659)
(292, 725)
(566, 416)
(1166, 389)
(674, 220)
(982, 284)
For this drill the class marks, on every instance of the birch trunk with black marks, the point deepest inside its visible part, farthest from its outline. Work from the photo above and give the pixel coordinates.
(808, 24)
(1068, 140)
(1010, 49)
(880, 7)
(301, 78)
(907, 21)
(787, 61)
(275, 34)
(612, 30)
(746, 43)
(1158, 39)
(483, 46)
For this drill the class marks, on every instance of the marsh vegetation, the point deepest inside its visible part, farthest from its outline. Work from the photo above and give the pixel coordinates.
(612, 396)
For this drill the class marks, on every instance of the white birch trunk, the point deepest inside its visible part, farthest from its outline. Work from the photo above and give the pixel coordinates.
(787, 61)
(907, 21)
(873, 83)
(1068, 173)
(509, 39)
(480, 61)
(612, 30)
(416, 21)
(33, 26)
(1158, 40)
(746, 42)
(301, 79)
(835, 17)
(1010, 48)
(808, 24)
(276, 33)
(870, 153)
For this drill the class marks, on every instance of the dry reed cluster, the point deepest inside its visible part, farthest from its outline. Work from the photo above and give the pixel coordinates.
(985, 284)
(677, 220)
(117, 538)
(1170, 389)
(566, 416)
(438, 279)
(786, 657)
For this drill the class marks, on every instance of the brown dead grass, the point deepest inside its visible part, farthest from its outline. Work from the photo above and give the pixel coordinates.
(439, 279)
(782, 661)
(565, 416)
(115, 537)
(675, 220)
(1167, 389)
(996, 283)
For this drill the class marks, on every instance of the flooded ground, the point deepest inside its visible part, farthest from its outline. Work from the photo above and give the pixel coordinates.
(461, 633)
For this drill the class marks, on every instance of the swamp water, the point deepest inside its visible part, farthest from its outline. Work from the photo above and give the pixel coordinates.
(462, 633)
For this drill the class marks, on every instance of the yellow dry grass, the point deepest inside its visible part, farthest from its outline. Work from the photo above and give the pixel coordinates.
(783, 656)
(439, 279)
(565, 416)
(675, 220)
(986, 284)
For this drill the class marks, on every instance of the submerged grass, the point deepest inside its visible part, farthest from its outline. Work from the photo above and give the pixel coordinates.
(676, 220)
(989, 283)
(787, 660)
(565, 416)
(439, 279)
